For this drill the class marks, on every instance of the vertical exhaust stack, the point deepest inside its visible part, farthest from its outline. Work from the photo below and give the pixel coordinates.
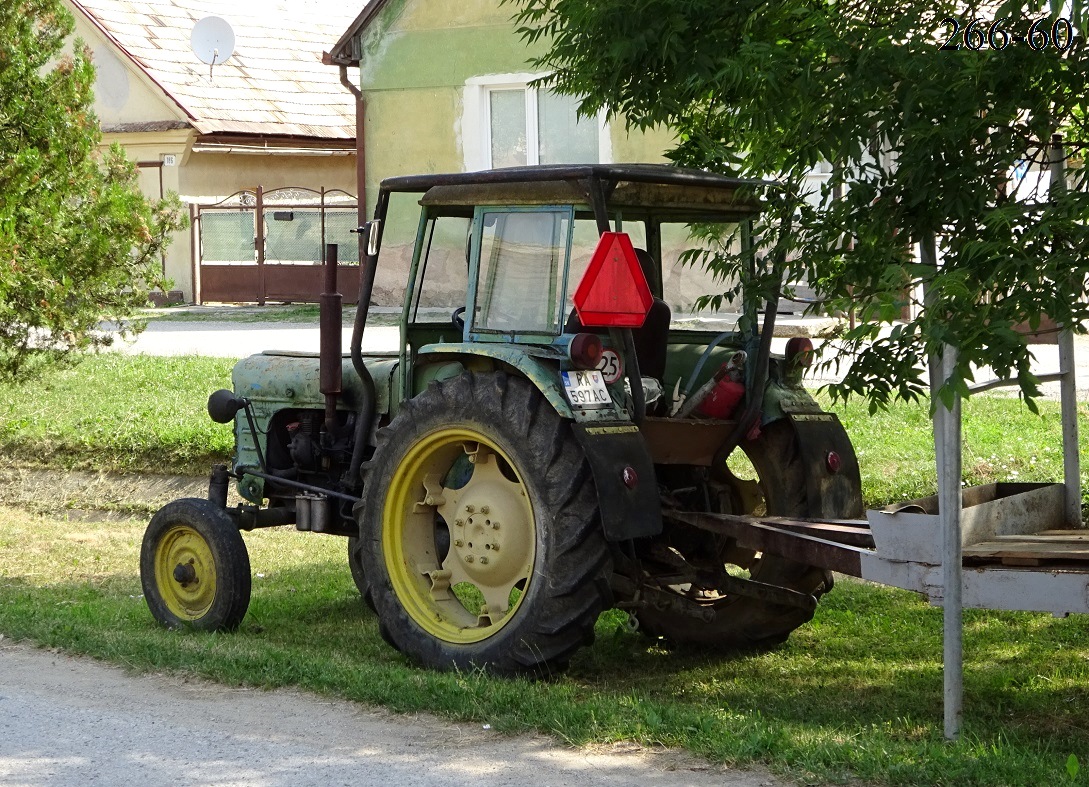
(330, 321)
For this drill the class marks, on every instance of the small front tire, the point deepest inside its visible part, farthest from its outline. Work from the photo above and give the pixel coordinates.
(194, 567)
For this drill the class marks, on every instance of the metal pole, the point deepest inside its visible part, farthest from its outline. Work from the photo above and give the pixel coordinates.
(947, 454)
(259, 244)
(1068, 389)
(949, 509)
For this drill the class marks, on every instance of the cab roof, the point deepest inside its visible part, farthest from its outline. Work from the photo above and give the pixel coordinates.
(650, 187)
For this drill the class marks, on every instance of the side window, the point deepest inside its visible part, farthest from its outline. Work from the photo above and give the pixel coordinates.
(585, 240)
(512, 122)
(443, 280)
(523, 258)
(531, 126)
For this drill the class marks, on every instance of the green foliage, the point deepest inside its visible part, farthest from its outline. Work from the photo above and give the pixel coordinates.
(923, 143)
(78, 241)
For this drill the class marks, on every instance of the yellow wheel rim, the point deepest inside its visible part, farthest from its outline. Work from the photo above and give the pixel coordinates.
(185, 573)
(458, 535)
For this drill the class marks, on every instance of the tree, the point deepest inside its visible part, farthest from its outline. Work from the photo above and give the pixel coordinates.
(923, 139)
(78, 241)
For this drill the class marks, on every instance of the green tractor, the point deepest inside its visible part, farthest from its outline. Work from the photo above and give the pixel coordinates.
(528, 460)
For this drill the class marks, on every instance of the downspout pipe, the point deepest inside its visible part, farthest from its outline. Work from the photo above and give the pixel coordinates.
(360, 158)
(367, 265)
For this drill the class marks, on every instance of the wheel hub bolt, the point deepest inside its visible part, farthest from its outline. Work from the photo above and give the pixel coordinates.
(483, 561)
(184, 573)
(470, 509)
(483, 509)
(469, 558)
(459, 543)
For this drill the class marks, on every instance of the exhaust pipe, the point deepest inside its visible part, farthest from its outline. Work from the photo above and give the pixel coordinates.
(331, 376)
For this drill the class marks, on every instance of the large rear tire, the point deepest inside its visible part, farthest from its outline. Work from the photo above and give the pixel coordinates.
(358, 576)
(479, 530)
(731, 621)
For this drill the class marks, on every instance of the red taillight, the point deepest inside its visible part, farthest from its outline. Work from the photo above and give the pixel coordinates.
(585, 350)
(630, 477)
(799, 352)
(833, 462)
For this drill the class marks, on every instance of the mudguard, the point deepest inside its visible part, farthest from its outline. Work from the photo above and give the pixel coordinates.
(833, 484)
(627, 511)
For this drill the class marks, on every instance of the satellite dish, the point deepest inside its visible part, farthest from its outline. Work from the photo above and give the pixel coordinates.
(212, 40)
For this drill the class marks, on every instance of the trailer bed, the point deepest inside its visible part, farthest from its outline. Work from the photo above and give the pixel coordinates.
(1013, 555)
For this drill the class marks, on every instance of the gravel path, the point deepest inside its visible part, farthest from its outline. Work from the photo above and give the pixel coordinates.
(67, 721)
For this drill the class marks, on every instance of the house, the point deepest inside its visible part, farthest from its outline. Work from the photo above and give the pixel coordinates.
(267, 122)
(447, 86)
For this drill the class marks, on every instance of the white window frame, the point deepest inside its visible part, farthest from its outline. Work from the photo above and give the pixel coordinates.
(476, 128)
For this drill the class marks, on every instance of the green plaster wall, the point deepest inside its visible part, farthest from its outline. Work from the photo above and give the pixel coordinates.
(417, 56)
(415, 44)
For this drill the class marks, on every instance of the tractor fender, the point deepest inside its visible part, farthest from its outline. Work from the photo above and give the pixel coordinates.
(627, 491)
(833, 484)
(537, 365)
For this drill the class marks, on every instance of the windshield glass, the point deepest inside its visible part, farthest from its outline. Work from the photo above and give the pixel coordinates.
(523, 258)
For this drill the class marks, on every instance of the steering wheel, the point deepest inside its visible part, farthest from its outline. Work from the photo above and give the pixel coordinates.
(458, 318)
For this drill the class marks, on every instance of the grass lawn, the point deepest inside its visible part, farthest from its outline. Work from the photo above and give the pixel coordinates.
(856, 694)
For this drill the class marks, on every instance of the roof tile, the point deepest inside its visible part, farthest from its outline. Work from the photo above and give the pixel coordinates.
(274, 83)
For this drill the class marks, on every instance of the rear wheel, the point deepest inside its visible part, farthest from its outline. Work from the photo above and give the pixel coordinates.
(355, 564)
(719, 619)
(194, 567)
(479, 530)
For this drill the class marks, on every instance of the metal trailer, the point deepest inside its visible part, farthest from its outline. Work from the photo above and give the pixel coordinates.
(1003, 546)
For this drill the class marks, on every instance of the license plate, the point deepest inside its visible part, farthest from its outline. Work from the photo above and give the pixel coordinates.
(586, 390)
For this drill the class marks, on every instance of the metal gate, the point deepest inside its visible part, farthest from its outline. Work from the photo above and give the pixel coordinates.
(258, 246)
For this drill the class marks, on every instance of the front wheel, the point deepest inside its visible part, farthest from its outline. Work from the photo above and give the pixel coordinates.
(479, 530)
(194, 567)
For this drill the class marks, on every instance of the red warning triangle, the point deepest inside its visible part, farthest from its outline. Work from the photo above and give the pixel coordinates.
(613, 292)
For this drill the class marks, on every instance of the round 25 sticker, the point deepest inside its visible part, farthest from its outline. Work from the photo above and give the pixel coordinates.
(611, 367)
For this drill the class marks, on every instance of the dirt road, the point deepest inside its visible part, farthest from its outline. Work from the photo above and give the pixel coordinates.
(67, 721)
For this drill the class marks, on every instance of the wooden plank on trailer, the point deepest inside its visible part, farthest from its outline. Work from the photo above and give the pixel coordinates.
(1024, 549)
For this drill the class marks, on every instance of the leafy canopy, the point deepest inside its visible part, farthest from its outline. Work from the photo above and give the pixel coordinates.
(78, 241)
(923, 143)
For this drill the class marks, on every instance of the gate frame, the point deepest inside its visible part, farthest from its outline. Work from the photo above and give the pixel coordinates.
(344, 200)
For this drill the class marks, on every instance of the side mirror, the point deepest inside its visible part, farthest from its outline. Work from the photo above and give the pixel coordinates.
(370, 231)
(223, 404)
(373, 229)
